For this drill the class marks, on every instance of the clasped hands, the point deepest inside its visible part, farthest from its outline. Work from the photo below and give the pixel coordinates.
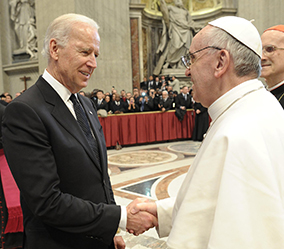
(141, 216)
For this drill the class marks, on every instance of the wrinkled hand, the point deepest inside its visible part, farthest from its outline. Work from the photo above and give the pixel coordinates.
(139, 220)
(119, 242)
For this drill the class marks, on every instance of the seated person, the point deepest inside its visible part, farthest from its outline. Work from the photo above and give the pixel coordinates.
(165, 103)
(117, 106)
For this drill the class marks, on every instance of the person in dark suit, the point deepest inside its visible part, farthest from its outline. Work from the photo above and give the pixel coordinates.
(60, 166)
(132, 107)
(182, 102)
(165, 103)
(201, 122)
(148, 104)
(100, 103)
(118, 106)
(144, 83)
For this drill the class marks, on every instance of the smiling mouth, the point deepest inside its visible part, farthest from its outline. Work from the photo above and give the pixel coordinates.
(86, 74)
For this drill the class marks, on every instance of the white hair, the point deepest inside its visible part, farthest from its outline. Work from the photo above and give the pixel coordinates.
(246, 61)
(60, 29)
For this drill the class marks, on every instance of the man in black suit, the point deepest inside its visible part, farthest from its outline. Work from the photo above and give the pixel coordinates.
(60, 166)
(118, 106)
(182, 102)
(100, 103)
(144, 83)
(165, 103)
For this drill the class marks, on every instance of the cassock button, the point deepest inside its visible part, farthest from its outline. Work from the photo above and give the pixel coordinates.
(90, 112)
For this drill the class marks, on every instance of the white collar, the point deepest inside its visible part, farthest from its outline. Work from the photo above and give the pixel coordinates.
(222, 103)
(276, 86)
(61, 90)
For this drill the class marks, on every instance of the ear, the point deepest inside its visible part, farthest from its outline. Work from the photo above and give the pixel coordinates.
(53, 48)
(223, 63)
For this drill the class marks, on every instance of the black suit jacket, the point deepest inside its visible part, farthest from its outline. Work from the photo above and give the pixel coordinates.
(103, 105)
(66, 194)
(144, 85)
(180, 101)
(122, 107)
(166, 104)
(279, 94)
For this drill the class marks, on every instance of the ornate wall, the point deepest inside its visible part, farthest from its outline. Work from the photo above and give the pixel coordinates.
(130, 33)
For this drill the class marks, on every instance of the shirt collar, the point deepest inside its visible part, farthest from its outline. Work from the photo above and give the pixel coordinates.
(61, 90)
(276, 86)
(229, 97)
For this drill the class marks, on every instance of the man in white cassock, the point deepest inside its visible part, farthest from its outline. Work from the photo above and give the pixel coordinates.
(232, 195)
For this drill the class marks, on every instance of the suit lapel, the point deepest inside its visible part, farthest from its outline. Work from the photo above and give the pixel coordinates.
(65, 118)
(95, 126)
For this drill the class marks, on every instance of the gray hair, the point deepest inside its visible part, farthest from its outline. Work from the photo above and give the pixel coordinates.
(60, 29)
(246, 61)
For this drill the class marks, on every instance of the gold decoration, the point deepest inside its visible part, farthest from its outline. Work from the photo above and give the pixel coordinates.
(195, 7)
(204, 4)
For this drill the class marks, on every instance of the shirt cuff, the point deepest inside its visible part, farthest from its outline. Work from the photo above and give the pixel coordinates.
(123, 218)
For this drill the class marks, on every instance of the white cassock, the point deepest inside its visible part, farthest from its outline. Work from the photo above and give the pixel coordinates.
(232, 196)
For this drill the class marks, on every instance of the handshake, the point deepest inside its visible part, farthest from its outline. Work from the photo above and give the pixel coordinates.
(141, 216)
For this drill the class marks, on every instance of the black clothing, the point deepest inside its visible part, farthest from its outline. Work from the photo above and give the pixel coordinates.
(102, 105)
(201, 122)
(279, 94)
(122, 107)
(166, 104)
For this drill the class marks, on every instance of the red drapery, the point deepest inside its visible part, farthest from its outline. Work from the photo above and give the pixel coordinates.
(146, 127)
(12, 198)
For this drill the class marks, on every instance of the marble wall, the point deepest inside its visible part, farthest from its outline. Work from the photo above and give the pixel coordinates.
(129, 38)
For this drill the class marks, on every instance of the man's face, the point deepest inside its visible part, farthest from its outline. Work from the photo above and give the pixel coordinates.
(185, 90)
(272, 63)
(99, 95)
(128, 95)
(135, 92)
(117, 97)
(165, 95)
(75, 63)
(202, 70)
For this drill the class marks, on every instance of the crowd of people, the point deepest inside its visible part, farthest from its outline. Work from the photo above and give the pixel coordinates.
(158, 95)
(232, 195)
(162, 94)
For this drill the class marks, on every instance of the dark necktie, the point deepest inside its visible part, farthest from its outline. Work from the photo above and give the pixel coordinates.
(84, 124)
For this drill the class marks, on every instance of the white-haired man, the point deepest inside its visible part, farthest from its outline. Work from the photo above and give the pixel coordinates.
(232, 195)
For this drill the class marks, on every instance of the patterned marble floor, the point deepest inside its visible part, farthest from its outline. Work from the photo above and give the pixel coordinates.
(154, 171)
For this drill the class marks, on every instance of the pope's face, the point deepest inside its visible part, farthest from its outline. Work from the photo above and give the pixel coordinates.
(272, 63)
(201, 70)
(76, 61)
